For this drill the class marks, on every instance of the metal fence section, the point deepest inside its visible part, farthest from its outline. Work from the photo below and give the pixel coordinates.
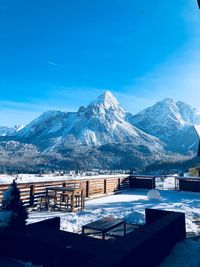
(166, 183)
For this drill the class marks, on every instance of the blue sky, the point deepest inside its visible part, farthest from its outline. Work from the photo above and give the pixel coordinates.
(60, 54)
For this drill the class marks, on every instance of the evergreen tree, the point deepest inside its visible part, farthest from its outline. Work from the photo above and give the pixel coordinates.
(12, 203)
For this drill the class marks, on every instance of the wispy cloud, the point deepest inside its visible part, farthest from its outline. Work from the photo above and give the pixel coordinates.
(53, 63)
(35, 105)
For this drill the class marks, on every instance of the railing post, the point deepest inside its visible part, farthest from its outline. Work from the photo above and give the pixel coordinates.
(105, 186)
(176, 183)
(32, 193)
(87, 188)
(119, 183)
(153, 183)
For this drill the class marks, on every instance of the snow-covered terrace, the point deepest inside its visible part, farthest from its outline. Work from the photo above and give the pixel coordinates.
(130, 205)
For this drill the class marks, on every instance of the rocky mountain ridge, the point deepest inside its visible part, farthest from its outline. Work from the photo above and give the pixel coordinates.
(172, 122)
(104, 135)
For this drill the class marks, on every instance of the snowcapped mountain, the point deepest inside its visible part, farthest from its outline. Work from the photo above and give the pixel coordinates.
(4, 130)
(171, 122)
(104, 135)
(159, 120)
(48, 125)
(96, 136)
(101, 122)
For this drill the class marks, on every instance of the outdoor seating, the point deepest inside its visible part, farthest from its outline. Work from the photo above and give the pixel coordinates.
(70, 197)
(47, 200)
(65, 200)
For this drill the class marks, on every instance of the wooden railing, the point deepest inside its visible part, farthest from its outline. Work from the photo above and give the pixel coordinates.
(31, 193)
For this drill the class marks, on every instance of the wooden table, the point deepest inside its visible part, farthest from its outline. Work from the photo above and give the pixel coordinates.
(104, 225)
(71, 190)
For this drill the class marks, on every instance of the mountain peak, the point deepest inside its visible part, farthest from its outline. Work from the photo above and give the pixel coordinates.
(105, 106)
(107, 102)
(161, 120)
(167, 101)
(107, 99)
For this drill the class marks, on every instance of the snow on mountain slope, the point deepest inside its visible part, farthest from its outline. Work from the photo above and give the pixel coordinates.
(97, 136)
(189, 114)
(4, 130)
(171, 122)
(47, 128)
(101, 122)
(107, 102)
(49, 122)
(104, 135)
(164, 113)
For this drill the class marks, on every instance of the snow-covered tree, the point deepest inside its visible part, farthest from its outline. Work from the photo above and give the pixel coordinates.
(13, 214)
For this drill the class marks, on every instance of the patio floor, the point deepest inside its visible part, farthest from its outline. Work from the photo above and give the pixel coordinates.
(129, 205)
